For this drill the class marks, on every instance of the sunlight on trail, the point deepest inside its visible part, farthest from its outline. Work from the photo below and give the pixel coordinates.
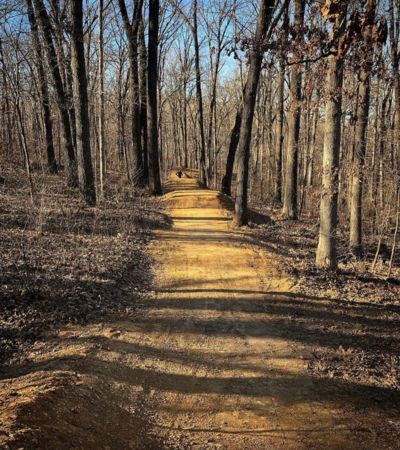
(238, 378)
(216, 358)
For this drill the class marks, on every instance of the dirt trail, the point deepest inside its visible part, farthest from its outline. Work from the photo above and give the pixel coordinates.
(213, 360)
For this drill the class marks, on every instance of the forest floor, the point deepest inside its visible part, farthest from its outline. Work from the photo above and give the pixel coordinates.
(234, 346)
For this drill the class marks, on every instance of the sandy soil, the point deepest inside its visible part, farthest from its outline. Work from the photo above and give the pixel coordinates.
(215, 358)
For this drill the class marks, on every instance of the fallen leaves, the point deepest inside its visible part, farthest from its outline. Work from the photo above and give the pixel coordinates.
(74, 265)
(353, 314)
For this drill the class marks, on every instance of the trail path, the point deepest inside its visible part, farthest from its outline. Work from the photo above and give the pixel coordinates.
(215, 355)
(231, 375)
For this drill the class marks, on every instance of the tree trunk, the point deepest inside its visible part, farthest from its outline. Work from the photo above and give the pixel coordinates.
(292, 149)
(326, 251)
(227, 179)
(152, 79)
(143, 98)
(132, 37)
(357, 181)
(101, 100)
(279, 138)
(394, 32)
(279, 134)
(310, 170)
(249, 101)
(199, 98)
(61, 97)
(44, 92)
(213, 108)
(85, 169)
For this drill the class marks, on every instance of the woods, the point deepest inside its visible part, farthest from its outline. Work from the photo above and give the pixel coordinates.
(199, 224)
(288, 103)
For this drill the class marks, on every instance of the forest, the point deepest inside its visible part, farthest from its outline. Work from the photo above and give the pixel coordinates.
(228, 169)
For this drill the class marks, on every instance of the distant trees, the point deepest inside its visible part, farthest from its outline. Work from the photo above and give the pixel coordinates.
(301, 112)
(131, 30)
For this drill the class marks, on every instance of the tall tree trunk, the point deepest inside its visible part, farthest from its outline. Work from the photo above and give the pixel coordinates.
(326, 252)
(249, 101)
(61, 97)
(199, 97)
(143, 98)
(102, 168)
(279, 138)
(394, 32)
(357, 181)
(64, 60)
(212, 124)
(292, 148)
(85, 169)
(152, 78)
(44, 92)
(279, 134)
(185, 128)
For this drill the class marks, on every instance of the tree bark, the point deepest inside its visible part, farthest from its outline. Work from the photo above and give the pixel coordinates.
(152, 79)
(326, 257)
(279, 134)
(279, 139)
(249, 101)
(230, 161)
(357, 181)
(143, 98)
(44, 92)
(61, 97)
(199, 98)
(294, 115)
(394, 33)
(101, 100)
(85, 169)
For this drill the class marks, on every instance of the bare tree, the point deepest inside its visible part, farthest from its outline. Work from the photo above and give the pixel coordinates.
(326, 251)
(361, 129)
(152, 75)
(102, 165)
(279, 138)
(249, 101)
(85, 169)
(61, 96)
(131, 30)
(44, 92)
(294, 115)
